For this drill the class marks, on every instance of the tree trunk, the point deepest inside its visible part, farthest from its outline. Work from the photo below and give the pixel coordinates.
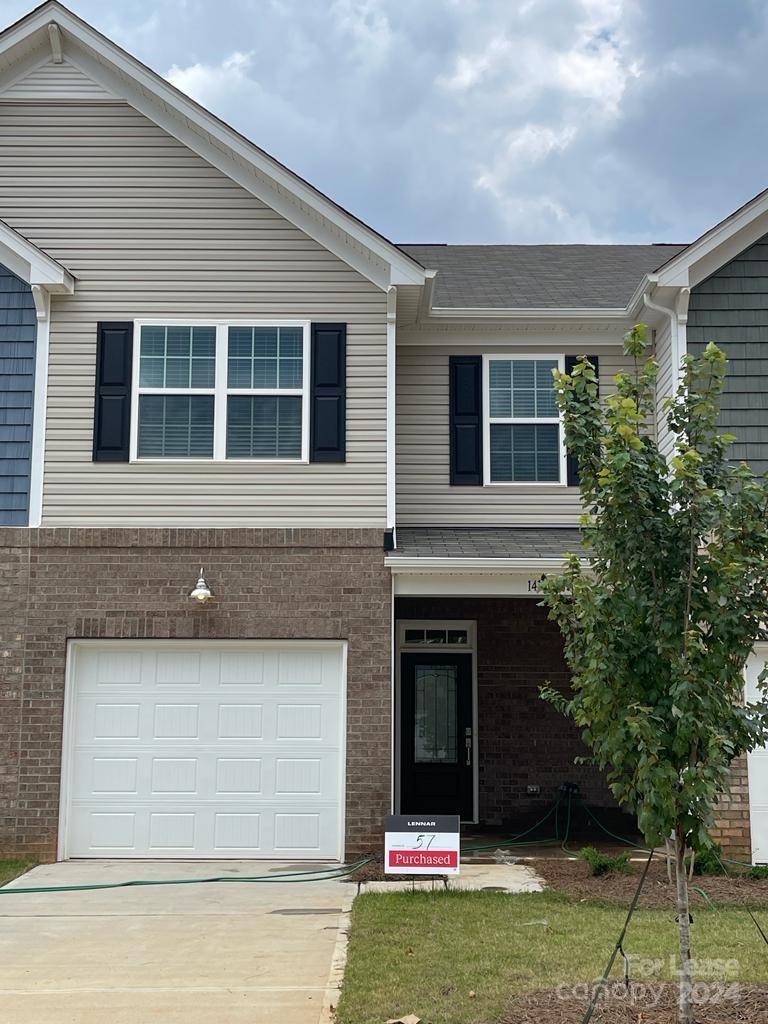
(685, 1006)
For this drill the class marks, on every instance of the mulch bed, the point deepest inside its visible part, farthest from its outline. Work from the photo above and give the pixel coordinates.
(644, 1004)
(573, 877)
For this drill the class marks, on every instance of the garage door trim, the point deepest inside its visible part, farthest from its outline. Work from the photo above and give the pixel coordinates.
(68, 744)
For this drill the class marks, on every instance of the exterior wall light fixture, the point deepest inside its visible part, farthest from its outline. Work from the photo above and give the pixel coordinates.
(201, 591)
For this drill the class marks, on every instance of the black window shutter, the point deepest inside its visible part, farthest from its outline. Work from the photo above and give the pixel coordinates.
(328, 409)
(466, 420)
(573, 468)
(112, 410)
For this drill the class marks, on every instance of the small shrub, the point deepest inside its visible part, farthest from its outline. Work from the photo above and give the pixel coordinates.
(603, 864)
(759, 872)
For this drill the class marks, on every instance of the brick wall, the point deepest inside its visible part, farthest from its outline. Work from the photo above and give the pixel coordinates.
(120, 583)
(732, 828)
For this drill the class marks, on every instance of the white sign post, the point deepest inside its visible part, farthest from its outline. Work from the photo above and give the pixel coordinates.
(421, 844)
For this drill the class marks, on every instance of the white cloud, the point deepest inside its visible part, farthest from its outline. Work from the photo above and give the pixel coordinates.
(208, 83)
(366, 25)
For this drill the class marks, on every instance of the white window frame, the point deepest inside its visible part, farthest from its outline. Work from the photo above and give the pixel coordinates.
(220, 390)
(559, 358)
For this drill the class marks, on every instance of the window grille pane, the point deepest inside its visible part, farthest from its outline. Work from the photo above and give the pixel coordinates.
(265, 357)
(523, 452)
(521, 388)
(175, 426)
(546, 405)
(500, 382)
(177, 357)
(414, 636)
(263, 427)
(436, 713)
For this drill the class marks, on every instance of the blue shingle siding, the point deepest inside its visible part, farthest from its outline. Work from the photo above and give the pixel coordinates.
(731, 309)
(18, 327)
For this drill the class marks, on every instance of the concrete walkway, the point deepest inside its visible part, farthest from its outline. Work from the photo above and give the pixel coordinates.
(189, 954)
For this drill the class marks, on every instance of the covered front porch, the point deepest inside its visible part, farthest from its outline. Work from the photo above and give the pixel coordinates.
(472, 648)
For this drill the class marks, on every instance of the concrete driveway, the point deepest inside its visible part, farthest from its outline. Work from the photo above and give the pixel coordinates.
(223, 953)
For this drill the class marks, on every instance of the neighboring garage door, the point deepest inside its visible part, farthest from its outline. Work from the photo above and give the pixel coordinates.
(204, 749)
(758, 769)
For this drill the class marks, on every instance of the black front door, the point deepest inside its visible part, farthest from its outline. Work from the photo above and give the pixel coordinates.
(436, 734)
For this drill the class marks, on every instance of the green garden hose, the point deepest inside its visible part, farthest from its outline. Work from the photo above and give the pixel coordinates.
(317, 875)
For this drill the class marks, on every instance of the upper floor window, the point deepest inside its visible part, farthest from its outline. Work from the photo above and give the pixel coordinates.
(523, 434)
(221, 391)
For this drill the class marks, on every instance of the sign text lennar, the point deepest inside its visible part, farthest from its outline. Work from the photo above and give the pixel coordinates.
(422, 846)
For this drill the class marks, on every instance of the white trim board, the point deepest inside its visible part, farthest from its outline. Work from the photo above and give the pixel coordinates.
(400, 647)
(468, 585)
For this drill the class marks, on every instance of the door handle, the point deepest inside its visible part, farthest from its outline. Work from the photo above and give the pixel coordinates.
(468, 746)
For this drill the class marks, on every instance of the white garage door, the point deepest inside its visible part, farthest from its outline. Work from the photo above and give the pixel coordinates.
(204, 749)
(758, 769)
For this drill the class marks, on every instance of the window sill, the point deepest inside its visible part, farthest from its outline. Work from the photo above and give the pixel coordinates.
(218, 462)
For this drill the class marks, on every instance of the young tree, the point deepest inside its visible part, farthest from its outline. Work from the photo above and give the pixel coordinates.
(659, 621)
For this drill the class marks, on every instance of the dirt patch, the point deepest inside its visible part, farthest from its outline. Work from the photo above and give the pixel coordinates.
(722, 1003)
(573, 877)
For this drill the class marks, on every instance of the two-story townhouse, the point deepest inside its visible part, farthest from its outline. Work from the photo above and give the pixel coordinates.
(207, 362)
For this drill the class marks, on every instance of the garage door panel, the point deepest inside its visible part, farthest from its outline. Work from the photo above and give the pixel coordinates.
(169, 830)
(147, 718)
(206, 750)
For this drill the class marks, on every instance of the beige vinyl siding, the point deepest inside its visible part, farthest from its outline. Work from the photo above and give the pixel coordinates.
(58, 81)
(149, 229)
(424, 495)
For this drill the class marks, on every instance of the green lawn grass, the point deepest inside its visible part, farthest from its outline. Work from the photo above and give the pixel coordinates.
(13, 867)
(425, 952)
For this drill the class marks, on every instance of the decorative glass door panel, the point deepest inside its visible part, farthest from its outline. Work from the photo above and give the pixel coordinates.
(435, 725)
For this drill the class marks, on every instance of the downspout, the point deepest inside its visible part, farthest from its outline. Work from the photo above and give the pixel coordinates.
(678, 318)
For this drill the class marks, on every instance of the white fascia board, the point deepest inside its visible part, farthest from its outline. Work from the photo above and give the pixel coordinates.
(533, 313)
(717, 246)
(437, 565)
(222, 146)
(31, 264)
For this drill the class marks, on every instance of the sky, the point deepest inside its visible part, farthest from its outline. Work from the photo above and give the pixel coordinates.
(482, 120)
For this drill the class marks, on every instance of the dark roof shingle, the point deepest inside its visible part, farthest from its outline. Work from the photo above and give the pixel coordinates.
(486, 542)
(538, 276)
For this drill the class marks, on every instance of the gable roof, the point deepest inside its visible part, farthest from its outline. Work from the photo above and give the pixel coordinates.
(717, 245)
(539, 276)
(125, 77)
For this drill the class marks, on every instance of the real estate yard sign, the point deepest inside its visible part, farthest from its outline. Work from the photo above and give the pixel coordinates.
(421, 844)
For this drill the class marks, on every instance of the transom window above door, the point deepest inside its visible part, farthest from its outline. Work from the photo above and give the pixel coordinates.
(524, 440)
(221, 391)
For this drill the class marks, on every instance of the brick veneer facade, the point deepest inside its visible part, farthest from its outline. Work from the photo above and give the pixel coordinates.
(522, 740)
(56, 584)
